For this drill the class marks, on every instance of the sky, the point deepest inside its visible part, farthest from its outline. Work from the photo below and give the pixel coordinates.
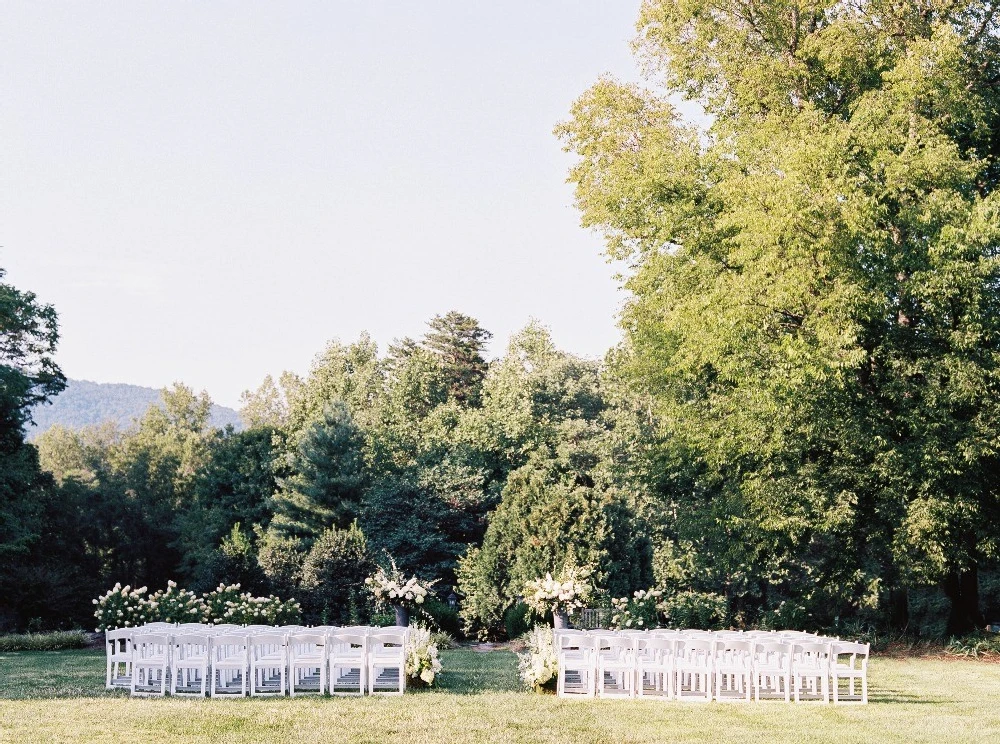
(209, 192)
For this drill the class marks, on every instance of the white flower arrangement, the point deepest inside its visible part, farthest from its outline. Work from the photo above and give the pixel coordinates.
(391, 588)
(538, 665)
(422, 661)
(568, 592)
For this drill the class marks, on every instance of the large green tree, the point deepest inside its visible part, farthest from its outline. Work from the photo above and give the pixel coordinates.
(814, 282)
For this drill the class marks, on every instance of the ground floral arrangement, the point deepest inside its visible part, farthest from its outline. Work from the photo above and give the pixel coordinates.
(568, 592)
(393, 588)
(422, 663)
(538, 665)
(125, 607)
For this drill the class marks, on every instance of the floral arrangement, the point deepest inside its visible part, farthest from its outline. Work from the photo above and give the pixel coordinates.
(641, 610)
(538, 665)
(228, 604)
(121, 607)
(422, 663)
(567, 593)
(124, 607)
(393, 588)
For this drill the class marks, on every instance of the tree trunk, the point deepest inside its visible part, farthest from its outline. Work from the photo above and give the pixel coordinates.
(963, 591)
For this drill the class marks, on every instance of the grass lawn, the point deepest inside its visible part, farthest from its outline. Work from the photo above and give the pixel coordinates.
(59, 696)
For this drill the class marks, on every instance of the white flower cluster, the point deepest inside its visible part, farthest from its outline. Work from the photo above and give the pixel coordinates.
(393, 588)
(538, 665)
(121, 607)
(641, 610)
(422, 661)
(227, 604)
(124, 607)
(568, 593)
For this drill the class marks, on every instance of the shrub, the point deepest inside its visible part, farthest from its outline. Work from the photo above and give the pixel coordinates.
(641, 610)
(974, 646)
(122, 607)
(333, 575)
(55, 641)
(442, 616)
(173, 605)
(227, 604)
(691, 609)
(515, 620)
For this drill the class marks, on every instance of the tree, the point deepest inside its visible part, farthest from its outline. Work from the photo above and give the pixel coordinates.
(328, 479)
(458, 341)
(814, 282)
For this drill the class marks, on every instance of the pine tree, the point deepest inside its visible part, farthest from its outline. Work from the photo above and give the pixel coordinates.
(459, 341)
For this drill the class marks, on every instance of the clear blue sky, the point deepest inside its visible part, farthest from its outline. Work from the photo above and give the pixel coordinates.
(208, 192)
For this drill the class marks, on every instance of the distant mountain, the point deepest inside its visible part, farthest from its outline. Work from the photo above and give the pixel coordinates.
(84, 403)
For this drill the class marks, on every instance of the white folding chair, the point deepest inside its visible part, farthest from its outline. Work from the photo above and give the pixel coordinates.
(733, 665)
(387, 662)
(118, 647)
(576, 664)
(307, 662)
(655, 667)
(849, 662)
(190, 660)
(772, 670)
(150, 664)
(615, 665)
(230, 664)
(268, 664)
(693, 670)
(811, 672)
(348, 660)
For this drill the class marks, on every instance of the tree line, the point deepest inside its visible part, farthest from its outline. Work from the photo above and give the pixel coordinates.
(800, 423)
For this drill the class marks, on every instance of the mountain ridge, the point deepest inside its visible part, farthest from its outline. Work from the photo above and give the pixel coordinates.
(86, 403)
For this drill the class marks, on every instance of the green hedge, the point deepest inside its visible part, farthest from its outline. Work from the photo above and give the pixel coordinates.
(43, 641)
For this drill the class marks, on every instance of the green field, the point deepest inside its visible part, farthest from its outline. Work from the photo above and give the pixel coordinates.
(59, 697)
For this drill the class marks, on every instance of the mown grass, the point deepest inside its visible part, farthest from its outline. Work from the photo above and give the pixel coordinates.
(59, 697)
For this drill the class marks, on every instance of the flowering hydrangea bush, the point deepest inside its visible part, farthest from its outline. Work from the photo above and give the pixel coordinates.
(390, 588)
(567, 593)
(538, 665)
(641, 610)
(173, 605)
(422, 663)
(121, 607)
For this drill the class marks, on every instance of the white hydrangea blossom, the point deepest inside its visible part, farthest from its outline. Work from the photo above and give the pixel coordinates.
(539, 664)
(393, 588)
(567, 593)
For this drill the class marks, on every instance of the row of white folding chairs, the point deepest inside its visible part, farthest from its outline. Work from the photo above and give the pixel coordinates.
(706, 666)
(257, 659)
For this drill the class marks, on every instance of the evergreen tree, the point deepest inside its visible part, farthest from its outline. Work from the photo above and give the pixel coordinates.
(458, 341)
(328, 478)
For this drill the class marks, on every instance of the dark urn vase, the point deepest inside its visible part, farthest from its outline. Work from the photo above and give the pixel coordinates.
(402, 616)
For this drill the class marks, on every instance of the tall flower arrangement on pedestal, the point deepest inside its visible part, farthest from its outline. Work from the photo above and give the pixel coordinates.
(394, 589)
(563, 595)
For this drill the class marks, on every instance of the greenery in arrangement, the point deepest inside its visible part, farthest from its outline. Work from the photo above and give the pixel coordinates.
(800, 427)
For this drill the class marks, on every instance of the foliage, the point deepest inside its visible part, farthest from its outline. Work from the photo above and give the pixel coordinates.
(422, 662)
(538, 666)
(326, 486)
(516, 620)
(54, 641)
(692, 609)
(173, 605)
(641, 610)
(975, 645)
(333, 576)
(813, 283)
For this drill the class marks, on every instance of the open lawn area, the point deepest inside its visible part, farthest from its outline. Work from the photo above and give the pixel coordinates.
(59, 697)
